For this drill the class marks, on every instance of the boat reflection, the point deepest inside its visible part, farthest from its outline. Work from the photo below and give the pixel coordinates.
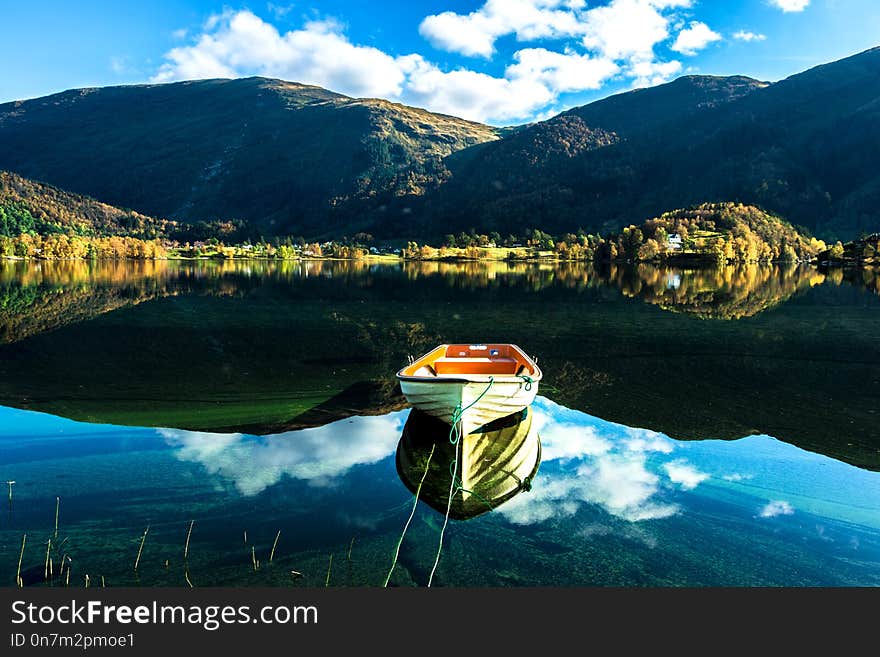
(495, 463)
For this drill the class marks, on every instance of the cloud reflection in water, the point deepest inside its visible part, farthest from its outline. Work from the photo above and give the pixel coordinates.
(316, 455)
(604, 464)
(631, 474)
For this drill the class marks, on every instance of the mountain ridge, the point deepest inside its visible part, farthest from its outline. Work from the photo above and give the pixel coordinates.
(287, 158)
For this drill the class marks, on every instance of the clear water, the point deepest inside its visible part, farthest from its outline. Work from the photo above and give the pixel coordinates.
(255, 399)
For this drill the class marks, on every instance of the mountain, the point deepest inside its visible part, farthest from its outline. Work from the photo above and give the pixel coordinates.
(534, 177)
(804, 147)
(280, 156)
(286, 158)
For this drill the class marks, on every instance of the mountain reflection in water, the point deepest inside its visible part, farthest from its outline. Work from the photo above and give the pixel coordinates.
(40, 296)
(262, 347)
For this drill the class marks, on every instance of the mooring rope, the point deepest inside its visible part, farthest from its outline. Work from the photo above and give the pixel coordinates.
(454, 436)
(411, 514)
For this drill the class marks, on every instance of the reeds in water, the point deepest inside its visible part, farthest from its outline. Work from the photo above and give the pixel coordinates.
(274, 545)
(46, 567)
(141, 548)
(18, 579)
(188, 534)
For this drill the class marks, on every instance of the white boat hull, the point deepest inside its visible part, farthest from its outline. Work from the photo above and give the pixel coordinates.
(441, 398)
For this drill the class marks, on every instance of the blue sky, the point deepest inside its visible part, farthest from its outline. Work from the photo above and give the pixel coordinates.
(499, 61)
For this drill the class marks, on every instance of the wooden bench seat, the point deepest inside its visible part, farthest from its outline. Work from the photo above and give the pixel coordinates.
(475, 366)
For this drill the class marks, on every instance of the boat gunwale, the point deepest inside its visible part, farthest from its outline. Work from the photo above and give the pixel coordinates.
(535, 377)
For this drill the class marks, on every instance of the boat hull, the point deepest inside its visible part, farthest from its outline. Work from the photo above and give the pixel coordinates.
(441, 398)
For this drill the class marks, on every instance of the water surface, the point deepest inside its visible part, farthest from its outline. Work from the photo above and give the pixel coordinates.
(608, 505)
(694, 427)
(262, 347)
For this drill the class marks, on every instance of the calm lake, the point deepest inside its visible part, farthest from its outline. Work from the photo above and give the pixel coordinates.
(694, 427)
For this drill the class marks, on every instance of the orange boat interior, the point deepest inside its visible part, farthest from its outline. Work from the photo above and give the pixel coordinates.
(459, 359)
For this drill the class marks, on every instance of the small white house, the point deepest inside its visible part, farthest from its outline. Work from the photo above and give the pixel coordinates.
(674, 242)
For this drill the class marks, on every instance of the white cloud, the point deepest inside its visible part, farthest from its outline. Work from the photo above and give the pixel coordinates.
(790, 5)
(620, 36)
(473, 95)
(179, 35)
(645, 440)
(650, 73)
(620, 484)
(610, 470)
(561, 72)
(694, 38)
(685, 475)
(474, 34)
(776, 508)
(602, 43)
(316, 455)
(745, 35)
(240, 43)
(564, 440)
(736, 477)
(628, 29)
(622, 30)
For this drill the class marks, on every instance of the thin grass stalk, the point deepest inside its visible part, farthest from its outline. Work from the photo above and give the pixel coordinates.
(46, 567)
(274, 545)
(141, 548)
(188, 534)
(18, 579)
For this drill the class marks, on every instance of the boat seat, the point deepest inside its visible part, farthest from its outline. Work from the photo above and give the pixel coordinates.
(475, 366)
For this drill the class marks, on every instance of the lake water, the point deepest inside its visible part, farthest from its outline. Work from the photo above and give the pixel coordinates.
(693, 428)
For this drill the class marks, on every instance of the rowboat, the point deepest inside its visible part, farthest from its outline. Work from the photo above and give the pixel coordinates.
(495, 463)
(471, 385)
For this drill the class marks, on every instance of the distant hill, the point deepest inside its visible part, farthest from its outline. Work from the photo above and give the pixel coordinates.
(286, 158)
(721, 232)
(279, 155)
(30, 206)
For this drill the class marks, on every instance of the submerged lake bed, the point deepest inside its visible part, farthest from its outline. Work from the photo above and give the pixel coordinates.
(696, 427)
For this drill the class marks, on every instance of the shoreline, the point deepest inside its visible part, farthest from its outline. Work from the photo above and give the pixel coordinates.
(681, 263)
